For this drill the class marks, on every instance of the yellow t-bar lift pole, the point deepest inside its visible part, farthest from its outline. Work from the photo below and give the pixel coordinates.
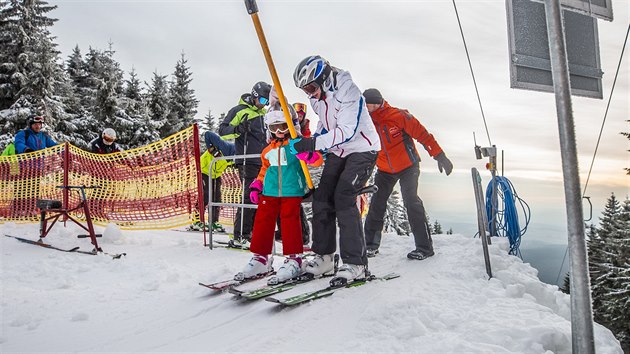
(252, 9)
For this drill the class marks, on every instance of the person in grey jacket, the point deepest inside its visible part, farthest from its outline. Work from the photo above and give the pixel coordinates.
(345, 131)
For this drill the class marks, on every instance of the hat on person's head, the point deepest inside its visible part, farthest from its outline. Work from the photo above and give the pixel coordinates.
(261, 89)
(34, 118)
(373, 96)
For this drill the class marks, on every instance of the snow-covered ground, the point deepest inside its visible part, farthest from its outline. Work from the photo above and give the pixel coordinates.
(149, 301)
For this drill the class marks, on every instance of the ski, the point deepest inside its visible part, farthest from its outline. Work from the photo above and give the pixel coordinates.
(70, 250)
(230, 245)
(325, 292)
(42, 244)
(282, 287)
(226, 284)
(274, 289)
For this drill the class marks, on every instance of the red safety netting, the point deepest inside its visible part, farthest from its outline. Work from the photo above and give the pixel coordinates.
(151, 187)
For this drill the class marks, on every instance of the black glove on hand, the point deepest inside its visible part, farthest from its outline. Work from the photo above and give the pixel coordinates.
(444, 164)
(299, 145)
(243, 127)
(28, 150)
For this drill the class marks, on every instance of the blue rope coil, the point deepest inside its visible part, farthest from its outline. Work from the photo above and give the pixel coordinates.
(505, 214)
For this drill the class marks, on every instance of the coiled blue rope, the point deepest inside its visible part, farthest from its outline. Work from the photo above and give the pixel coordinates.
(506, 214)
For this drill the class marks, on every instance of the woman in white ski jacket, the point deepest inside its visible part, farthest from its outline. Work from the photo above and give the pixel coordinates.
(346, 132)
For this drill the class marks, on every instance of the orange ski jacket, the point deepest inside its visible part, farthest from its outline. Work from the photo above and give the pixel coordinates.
(397, 129)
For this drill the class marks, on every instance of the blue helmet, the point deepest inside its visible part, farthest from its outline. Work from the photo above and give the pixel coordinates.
(312, 69)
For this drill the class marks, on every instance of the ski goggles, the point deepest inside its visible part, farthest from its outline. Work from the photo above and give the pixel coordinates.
(108, 139)
(263, 100)
(278, 128)
(310, 88)
(37, 119)
(300, 107)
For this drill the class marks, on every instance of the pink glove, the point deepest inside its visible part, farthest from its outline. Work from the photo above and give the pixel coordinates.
(309, 157)
(255, 189)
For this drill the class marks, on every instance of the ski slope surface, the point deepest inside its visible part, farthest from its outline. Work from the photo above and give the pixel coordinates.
(150, 301)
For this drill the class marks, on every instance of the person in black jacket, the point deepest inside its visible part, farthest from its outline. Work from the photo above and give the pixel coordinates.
(106, 143)
(245, 124)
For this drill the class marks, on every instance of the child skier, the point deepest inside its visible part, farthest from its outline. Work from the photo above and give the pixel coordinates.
(278, 191)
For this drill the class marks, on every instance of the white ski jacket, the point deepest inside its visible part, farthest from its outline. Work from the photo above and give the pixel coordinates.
(344, 123)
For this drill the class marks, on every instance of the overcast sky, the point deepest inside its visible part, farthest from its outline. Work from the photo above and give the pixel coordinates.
(411, 51)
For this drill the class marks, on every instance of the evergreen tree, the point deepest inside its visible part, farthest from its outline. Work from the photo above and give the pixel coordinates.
(396, 216)
(157, 101)
(209, 122)
(109, 106)
(437, 228)
(609, 264)
(30, 76)
(566, 285)
(144, 131)
(616, 300)
(183, 104)
(7, 58)
(627, 135)
(450, 231)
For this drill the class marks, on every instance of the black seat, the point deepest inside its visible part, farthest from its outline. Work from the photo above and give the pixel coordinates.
(45, 204)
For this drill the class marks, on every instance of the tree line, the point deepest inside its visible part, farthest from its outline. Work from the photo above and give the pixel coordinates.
(85, 93)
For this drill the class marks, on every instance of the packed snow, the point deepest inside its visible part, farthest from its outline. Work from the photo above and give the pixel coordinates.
(149, 301)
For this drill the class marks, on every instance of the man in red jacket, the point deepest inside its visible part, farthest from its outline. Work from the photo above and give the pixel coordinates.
(398, 160)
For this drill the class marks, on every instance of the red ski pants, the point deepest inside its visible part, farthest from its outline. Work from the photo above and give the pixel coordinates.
(265, 225)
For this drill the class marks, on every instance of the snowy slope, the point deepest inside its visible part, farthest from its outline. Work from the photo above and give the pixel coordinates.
(150, 301)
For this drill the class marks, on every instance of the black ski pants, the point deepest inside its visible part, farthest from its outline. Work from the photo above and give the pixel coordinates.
(249, 172)
(415, 209)
(335, 199)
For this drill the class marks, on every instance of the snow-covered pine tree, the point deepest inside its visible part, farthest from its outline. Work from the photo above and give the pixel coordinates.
(607, 265)
(209, 122)
(144, 131)
(396, 215)
(182, 102)
(30, 75)
(7, 57)
(627, 135)
(437, 228)
(566, 285)
(72, 129)
(157, 101)
(108, 109)
(616, 300)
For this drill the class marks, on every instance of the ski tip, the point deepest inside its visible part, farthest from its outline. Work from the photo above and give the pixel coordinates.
(235, 292)
(274, 300)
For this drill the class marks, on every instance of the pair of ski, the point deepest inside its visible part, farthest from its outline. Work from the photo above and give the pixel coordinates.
(265, 291)
(69, 250)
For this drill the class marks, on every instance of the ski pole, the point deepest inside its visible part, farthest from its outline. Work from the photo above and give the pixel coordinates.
(252, 9)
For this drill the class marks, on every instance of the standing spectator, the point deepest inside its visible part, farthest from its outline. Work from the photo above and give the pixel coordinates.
(106, 143)
(33, 138)
(399, 161)
(31, 171)
(300, 108)
(245, 124)
(347, 133)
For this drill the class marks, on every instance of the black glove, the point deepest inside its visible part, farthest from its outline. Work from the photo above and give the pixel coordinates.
(299, 145)
(444, 164)
(243, 127)
(28, 150)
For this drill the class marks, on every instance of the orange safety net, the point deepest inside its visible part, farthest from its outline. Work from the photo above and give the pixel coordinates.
(151, 187)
